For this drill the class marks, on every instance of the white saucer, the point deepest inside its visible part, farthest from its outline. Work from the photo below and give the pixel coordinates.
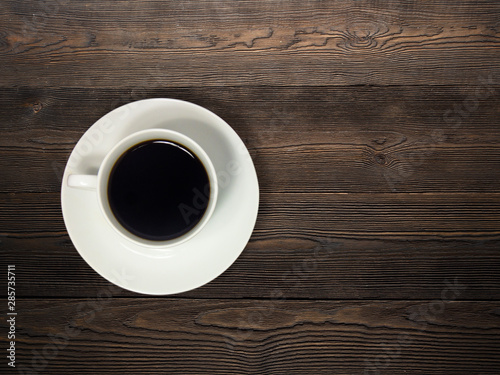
(190, 264)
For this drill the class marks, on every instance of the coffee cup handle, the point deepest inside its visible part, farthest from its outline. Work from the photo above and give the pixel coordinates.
(83, 181)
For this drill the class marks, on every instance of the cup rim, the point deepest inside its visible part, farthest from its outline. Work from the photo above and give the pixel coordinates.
(143, 136)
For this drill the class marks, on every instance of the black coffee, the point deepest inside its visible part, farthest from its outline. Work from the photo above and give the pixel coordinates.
(158, 190)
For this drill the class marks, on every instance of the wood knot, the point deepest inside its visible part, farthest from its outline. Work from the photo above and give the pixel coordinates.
(37, 107)
(380, 141)
(365, 41)
(380, 159)
(364, 33)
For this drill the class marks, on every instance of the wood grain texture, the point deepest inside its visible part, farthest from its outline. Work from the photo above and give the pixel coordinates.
(307, 139)
(171, 336)
(306, 245)
(212, 43)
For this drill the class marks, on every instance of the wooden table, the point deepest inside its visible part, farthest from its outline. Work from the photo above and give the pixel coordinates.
(374, 130)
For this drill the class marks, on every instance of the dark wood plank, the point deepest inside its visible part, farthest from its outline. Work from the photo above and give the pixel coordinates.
(345, 215)
(314, 139)
(207, 43)
(157, 336)
(329, 246)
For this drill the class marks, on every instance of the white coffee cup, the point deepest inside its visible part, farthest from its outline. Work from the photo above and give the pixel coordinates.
(99, 182)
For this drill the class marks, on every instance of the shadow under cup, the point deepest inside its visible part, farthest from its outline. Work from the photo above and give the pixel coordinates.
(157, 188)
